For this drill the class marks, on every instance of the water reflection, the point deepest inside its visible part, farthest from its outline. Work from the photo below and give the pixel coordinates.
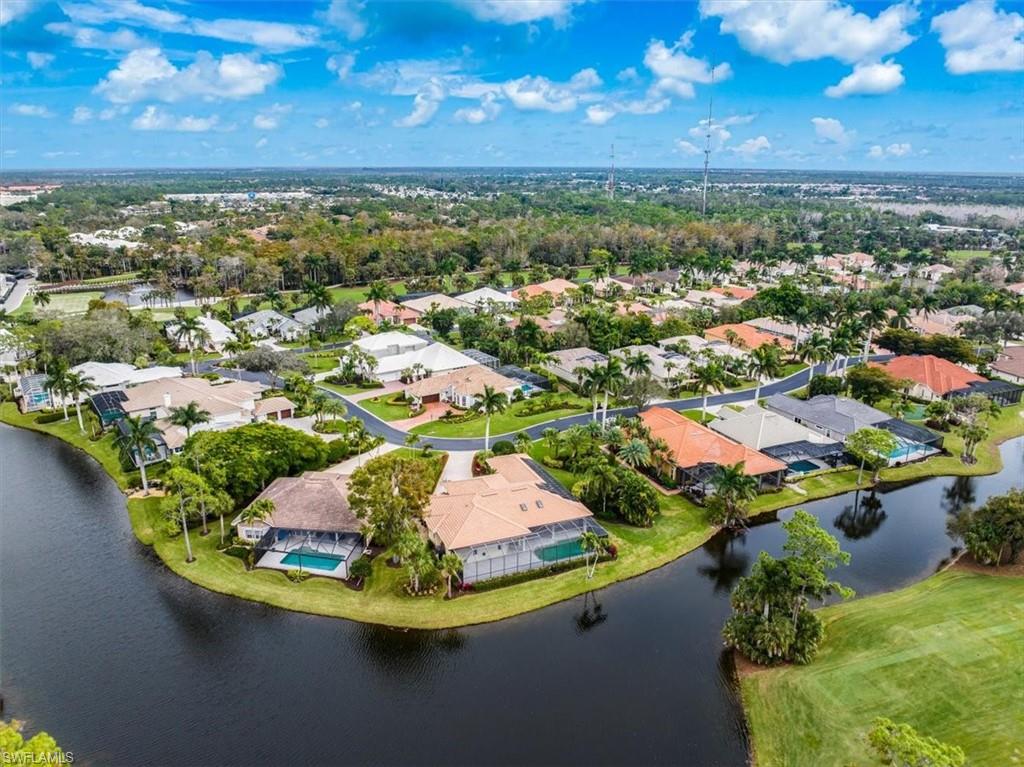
(959, 495)
(398, 651)
(729, 563)
(862, 518)
(592, 615)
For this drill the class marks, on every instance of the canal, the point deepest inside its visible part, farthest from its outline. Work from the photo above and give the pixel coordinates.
(127, 664)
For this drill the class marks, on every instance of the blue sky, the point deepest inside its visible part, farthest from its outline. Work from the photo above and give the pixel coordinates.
(812, 84)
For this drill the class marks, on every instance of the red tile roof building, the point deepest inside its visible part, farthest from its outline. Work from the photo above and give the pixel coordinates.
(934, 377)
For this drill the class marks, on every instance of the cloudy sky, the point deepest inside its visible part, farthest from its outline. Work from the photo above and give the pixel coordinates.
(809, 84)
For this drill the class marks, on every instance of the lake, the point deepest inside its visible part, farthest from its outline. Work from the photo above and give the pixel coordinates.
(125, 663)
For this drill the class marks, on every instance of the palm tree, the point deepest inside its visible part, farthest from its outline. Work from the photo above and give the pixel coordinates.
(256, 512)
(734, 489)
(590, 381)
(638, 364)
(41, 298)
(76, 385)
(334, 408)
(57, 383)
(635, 453)
(451, 567)
(612, 379)
(378, 292)
(704, 379)
(765, 362)
(593, 546)
(600, 481)
(318, 296)
(522, 442)
(192, 333)
(189, 416)
(137, 438)
(812, 351)
(491, 402)
(874, 317)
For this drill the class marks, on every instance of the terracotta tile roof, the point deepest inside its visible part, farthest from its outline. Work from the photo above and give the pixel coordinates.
(748, 337)
(469, 380)
(1010, 362)
(273, 405)
(503, 505)
(935, 373)
(692, 444)
(555, 287)
(735, 292)
(391, 311)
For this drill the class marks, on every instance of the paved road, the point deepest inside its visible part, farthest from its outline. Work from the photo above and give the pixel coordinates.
(397, 437)
(17, 294)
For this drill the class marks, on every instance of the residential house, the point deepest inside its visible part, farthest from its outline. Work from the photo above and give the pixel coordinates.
(937, 378)
(695, 452)
(666, 364)
(399, 352)
(310, 315)
(936, 272)
(269, 323)
(462, 387)
(489, 299)
(312, 527)
(218, 334)
(514, 520)
(559, 289)
(839, 417)
(607, 285)
(734, 291)
(691, 346)
(745, 336)
(783, 329)
(565, 362)
(389, 311)
(705, 299)
(437, 301)
(801, 448)
(1010, 364)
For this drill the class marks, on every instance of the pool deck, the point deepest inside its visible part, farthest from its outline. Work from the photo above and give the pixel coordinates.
(274, 558)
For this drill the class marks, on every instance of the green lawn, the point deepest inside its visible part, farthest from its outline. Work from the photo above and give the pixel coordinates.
(962, 256)
(945, 655)
(385, 410)
(347, 389)
(66, 303)
(501, 423)
(111, 278)
(321, 362)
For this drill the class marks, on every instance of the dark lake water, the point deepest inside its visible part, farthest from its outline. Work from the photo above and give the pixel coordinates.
(127, 664)
(137, 295)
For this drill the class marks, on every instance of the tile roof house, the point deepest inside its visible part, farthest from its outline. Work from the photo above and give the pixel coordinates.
(489, 298)
(513, 520)
(1010, 364)
(424, 304)
(556, 287)
(606, 284)
(745, 336)
(218, 333)
(697, 451)
(460, 387)
(268, 323)
(802, 448)
(311, 527)
(389, 311)
(935, 272)
(396, 351)
(937, 378)
(565, 362)
(734, 291)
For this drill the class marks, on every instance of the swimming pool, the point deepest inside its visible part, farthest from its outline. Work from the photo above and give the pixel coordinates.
(313, 560)
(561, 550)
(800, 467)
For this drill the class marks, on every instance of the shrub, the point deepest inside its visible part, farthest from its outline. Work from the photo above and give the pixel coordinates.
(825, 385)
(297, 576)
(51, 416)
(337, 450)
(360, 569)
(331, 427)
(503, 447)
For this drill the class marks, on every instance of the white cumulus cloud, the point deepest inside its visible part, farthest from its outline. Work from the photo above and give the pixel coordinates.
(11, 10)
(687, 147)
(832, 131)
(31, 110)
(979, 37)
(424, 106)
(675, 71)
(148, 74)
(38, 60)
(89, 37)
(155, 119)
(752, 147)
(878, 152)
(341, 64)
(868, 79)
(538, 93)
(270, 118)
(520, 11)
(488, 110)
(346, 16)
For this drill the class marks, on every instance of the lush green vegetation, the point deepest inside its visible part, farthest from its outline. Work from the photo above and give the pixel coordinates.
(943, 655)
(507, 422)
(386, 407)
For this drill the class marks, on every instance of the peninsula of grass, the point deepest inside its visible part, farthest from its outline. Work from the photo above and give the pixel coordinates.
(387, 407)
(681, 528)
(944, 655)
(508, 422)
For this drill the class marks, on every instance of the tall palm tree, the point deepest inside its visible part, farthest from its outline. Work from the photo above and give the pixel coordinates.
(318, 296)
(593, 546)
(704, 379)
(41, 298)
(189, 416)
(612, 380)
(638, 364)
(813, 350)
(138, 438)
(735, 489)
(192, 333)
(590, 381)
(491, 402)
(57, 383)
(635, 453)
(765, 362)
(77, 385)
(451, 567)
(600, 481)
(874, 317)
(378, 292)
(256, 512)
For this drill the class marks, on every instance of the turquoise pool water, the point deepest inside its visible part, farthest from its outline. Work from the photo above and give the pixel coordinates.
(799, 467)
(562, 550)
(312, 560)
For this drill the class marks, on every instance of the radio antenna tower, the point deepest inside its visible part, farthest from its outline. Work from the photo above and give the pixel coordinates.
(707, 149)
(611, 177)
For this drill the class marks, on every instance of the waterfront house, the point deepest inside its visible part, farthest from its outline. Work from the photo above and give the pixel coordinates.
(934, 378)
(839, 417)
(695, 452)
(801, 448)
(1010, 364)
(514, 520)
(311, 528)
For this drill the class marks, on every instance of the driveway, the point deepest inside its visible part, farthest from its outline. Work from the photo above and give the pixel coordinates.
(459, 466)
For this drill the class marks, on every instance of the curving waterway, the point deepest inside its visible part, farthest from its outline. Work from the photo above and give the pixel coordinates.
(127, 664)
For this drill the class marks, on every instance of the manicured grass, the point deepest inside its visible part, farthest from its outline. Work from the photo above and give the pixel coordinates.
(103, 450)
(347, 389)
(111, 278)
(385, 410)
(501, 423)
(962, 256)
(944, 655)
(65, 303)
(321, 362)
